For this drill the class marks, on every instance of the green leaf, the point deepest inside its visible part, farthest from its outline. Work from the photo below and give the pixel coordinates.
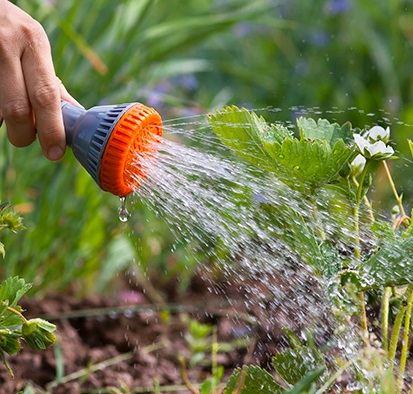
(276, 133)
(240, 130)
(306, 384)
(291, 227)
(390, 266)
(11, 220)
(388, 383)
(2, 250)
(383, 230)
(311, 163)
(252, 380)
(410, 142)
(292, 365)
(38, 333)
(199, 330)
(9, 341)
(323, 129)
(12, 289)
(315, 159)
(292, 337)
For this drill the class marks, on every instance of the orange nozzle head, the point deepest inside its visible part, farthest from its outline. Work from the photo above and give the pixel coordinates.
(134, 137)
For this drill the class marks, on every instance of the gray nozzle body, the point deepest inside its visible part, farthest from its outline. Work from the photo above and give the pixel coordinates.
(87, 132)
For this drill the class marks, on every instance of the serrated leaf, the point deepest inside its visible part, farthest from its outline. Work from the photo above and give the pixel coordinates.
(383, 230)
(292, 365)
(240, 130)
(252, 380)
(276, 133)
(390, 266)
(323, 129)
(10, 319)
(298, 162)
(309, 162)
(12, 289)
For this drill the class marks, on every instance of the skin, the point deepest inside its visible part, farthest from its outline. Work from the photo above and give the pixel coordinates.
(30, 92)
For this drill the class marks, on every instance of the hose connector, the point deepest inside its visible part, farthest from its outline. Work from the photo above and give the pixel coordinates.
(113, 142)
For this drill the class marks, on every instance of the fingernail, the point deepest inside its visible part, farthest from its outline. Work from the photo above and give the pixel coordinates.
(55, 153)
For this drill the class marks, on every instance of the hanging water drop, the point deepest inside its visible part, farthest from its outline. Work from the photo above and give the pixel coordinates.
(124, 214)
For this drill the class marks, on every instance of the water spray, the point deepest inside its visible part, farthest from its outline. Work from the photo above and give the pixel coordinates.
(107, 140)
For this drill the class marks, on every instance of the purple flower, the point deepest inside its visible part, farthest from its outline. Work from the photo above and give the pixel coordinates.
(189, 81)
(320, 38)
(336, 7)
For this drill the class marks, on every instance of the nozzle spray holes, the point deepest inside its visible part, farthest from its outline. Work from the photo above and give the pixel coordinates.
(124, 214)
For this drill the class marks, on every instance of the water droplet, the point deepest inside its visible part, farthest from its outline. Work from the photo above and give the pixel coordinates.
(281, 156)
(124, 214)
(297, 168)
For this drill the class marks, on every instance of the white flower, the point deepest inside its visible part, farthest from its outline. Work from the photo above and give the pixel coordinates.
(357, 165)
(377, 150)
(378, 133)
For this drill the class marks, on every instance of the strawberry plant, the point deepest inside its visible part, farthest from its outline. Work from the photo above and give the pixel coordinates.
(334, 229)
(14, 327)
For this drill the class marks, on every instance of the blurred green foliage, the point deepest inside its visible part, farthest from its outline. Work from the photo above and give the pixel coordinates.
(187, 58)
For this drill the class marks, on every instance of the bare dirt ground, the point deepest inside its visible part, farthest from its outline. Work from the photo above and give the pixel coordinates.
(121, 343)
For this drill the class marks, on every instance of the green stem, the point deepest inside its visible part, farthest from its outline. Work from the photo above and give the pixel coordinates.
(398, 324)
(357, 255)
(405, 347)
(316, 217)
(396, 332)
(361, 182)
(365, 199)
(385, 317)
(334, 377)
(356, 229)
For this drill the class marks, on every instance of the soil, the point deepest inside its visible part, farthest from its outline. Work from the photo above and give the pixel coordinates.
(121, 343)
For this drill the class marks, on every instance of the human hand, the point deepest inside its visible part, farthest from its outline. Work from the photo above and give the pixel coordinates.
(30, 92)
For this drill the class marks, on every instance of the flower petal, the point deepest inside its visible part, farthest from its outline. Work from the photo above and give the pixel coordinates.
(378, 133)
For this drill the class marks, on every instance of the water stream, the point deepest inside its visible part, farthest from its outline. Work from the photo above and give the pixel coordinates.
(207, 195)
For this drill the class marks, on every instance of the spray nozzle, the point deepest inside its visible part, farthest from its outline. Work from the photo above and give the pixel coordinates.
(109, 139)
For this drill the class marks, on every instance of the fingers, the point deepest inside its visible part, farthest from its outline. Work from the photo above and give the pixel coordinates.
(43, 90)
(14, 103)
(30, 92)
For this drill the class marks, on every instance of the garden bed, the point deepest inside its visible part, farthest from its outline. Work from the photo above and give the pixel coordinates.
(126, 343)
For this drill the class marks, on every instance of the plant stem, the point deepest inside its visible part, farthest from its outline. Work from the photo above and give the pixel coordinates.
(385, 318)
(214, 356)
(361, 182)
(405, 347)
(393, 187)
(398, 324)
(357, 249)
(16, 312)
(185, 378)
(334, 377)
(356, 229)
(366, 201)
(396, 332)
(316, 217)
(357, 255)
